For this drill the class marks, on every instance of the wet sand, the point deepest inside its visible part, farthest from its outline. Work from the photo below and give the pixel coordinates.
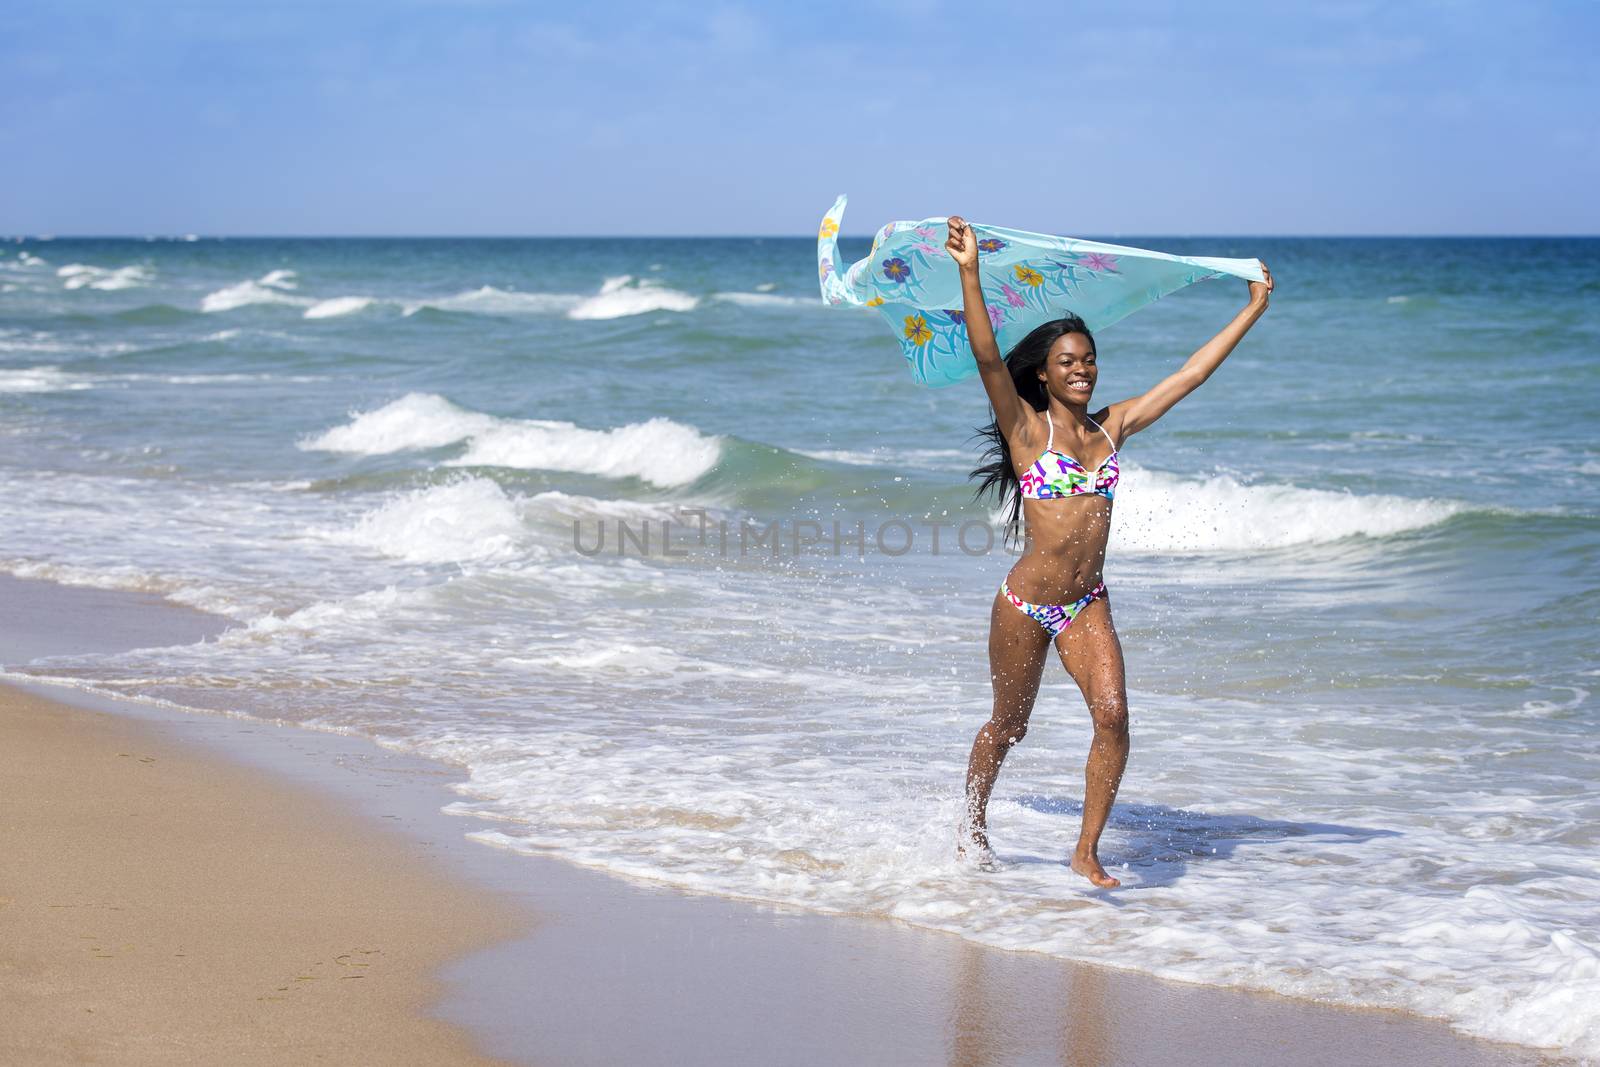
(187, 888)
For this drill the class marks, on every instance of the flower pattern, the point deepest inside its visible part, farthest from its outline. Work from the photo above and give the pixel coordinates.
(1027, 279)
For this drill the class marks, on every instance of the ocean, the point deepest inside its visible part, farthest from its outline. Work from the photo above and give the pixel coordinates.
(684, 572)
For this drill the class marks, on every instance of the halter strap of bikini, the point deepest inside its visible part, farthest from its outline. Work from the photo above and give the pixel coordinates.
(1049, 445)
(1109, 441)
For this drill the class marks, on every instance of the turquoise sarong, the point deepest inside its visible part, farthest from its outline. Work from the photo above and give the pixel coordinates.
(1028, 279)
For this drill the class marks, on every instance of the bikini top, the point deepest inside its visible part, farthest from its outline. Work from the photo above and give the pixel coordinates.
(1056, 474)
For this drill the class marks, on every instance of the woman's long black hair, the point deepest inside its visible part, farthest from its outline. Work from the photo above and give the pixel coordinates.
(997, 473)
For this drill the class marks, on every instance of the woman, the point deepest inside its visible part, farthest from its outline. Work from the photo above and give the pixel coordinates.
(1043, 445)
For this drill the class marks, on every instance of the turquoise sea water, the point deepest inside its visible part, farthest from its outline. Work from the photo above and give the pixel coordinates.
(1356, 577)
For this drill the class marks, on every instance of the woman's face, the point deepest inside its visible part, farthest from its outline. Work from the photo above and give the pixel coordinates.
(1069, 371)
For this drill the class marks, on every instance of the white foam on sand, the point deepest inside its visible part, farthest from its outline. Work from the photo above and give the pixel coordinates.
(369, 608)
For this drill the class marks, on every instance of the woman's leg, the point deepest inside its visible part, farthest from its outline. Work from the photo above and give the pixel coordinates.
(1093, 656)
(1018, 647)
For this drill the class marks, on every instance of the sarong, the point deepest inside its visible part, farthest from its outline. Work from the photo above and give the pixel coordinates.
(1028, 279)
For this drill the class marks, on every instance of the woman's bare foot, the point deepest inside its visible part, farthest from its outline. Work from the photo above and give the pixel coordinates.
(1088, 865)
(981, 858)
(972, 845)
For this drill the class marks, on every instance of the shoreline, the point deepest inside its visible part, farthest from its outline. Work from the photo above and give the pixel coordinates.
(610, 970)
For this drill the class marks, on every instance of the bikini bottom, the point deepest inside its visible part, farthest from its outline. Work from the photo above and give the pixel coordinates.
(1053, 617)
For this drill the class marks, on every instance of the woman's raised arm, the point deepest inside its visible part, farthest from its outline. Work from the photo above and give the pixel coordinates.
(1130, 416)
(1011, 412)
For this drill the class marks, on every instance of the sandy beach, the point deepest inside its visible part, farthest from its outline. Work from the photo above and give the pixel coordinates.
(516, 543)
(161, 907)
(199, 889)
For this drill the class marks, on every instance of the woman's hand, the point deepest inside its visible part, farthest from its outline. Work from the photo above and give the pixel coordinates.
(1131, 416)
(1259, 291)
(962, 244)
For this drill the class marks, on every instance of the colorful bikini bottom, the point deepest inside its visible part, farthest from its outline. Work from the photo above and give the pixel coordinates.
(1053, 617)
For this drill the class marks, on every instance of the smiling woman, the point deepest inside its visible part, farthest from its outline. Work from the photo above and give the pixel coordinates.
(383, 506)
(1045, 380)
(386, 460)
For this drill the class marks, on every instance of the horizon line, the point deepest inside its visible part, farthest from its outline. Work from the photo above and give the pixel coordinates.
(189, 238)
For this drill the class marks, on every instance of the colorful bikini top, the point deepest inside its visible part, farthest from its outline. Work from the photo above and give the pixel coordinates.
(1056, 474)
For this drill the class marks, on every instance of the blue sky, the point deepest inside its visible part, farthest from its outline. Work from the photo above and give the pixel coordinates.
(483, 117)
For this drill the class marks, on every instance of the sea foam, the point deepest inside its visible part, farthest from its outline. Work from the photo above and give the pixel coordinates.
(623, 295)
(618, 297)
(1158, 512)
(765, 300)
(87, 276)
(270, 288)
(659, 451)
(469, 520)
(41, 380)
(415, 421)
(488, 300)
(337, 306)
